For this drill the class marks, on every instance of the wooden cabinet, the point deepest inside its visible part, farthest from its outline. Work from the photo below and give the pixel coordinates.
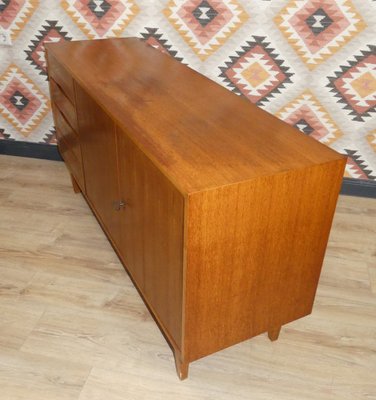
(219, 211)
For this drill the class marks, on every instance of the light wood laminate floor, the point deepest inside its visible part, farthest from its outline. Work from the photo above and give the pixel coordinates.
(72, 325)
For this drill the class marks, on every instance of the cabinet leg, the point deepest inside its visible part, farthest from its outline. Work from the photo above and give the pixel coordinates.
(274, 333)
(76, 188)
(181, 367)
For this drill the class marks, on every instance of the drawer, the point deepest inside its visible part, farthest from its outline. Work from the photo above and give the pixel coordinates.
(66, 132)
(69, 146)
(63, 104)
(72, 162)
(62, 78)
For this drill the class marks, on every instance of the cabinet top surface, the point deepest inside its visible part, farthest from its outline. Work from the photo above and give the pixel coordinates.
(198, 133)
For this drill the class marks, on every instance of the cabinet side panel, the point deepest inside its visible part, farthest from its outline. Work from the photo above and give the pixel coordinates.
(152, 235)
(254, 255)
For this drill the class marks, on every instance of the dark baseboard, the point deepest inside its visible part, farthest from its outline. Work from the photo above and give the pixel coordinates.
(359, 187)
(351, 187)
(32, 150)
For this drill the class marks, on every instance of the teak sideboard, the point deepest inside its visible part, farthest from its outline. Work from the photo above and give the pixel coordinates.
(219, 211)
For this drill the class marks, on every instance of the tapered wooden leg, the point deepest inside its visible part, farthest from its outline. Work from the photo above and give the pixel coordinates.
(274, 333)
(76, 188)
(181, 367)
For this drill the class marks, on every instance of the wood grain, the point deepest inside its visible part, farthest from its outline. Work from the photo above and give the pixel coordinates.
(73, 163)
(75, 185)
(65, 106)
(260, 246)
(70, 148)
(62, 77)
(185, 115)
(99, 153)
(64, 131)
(152, 235)
(85, 334)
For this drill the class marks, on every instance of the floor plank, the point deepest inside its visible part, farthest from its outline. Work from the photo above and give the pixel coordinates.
(30, 376)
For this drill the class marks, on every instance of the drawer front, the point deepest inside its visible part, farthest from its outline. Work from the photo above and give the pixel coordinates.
(63, 104)
(66, 132)
(69, 146)
(73, 163)
(62, 78)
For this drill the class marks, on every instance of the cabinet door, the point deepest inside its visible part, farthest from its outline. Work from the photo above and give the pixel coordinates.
(152, 234)
(98, 146)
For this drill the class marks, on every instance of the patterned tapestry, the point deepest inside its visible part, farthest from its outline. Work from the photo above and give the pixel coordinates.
(309, 62)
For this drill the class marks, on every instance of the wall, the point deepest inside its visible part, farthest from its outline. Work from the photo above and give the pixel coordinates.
(309, 62)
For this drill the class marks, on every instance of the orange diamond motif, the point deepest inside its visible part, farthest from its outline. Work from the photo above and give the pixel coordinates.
(365, 85)
(316, 29)
(21, 101)
(101, 18)
(307, 114)
(14, 14)
(255, 71)
(255, 74)
(205, 25)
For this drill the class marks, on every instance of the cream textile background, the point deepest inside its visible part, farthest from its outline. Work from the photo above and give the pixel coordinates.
(311, 63)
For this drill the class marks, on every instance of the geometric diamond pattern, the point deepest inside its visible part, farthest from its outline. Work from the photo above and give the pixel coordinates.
(204, 13)
(307, 114)
(99, 8)
(14, 14)
(4, 135)
(304, 126)
(319, 21)
(205, 25)
(256, 72)
(50, 33)
(154, 38)
(316, 29)
(355, 84)
(101, 18)
(357, 167)
(21, 102)
(50, 137)
(310, 59)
